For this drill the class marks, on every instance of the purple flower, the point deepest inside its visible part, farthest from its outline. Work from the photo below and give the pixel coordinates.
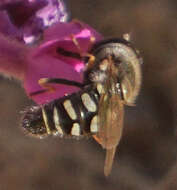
(26, 19)
(30, 64)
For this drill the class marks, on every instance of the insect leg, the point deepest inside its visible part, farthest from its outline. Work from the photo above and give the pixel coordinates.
(91, 58)
(97, 139)
(92, 38)
(46, 84)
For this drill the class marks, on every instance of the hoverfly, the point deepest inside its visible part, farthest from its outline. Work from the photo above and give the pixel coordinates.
(112, 79)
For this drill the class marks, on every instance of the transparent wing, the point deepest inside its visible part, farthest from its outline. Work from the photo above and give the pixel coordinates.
(111, 124)
(110, 121)
(110, 153)
(110, 115)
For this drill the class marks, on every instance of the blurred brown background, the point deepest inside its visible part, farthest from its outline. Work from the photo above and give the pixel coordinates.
(146, 157)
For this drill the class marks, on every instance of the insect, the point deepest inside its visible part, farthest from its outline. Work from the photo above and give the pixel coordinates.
(112, 79)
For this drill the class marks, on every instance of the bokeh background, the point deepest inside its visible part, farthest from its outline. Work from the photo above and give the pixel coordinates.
(146, 156)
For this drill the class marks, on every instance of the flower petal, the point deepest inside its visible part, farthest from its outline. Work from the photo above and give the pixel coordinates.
(77, 28)
(12, 57)
(49, 67)
(48, 61)
(29, 18)
(6, 26)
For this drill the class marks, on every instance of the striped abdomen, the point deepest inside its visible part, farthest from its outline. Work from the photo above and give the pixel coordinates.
(74, 115)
